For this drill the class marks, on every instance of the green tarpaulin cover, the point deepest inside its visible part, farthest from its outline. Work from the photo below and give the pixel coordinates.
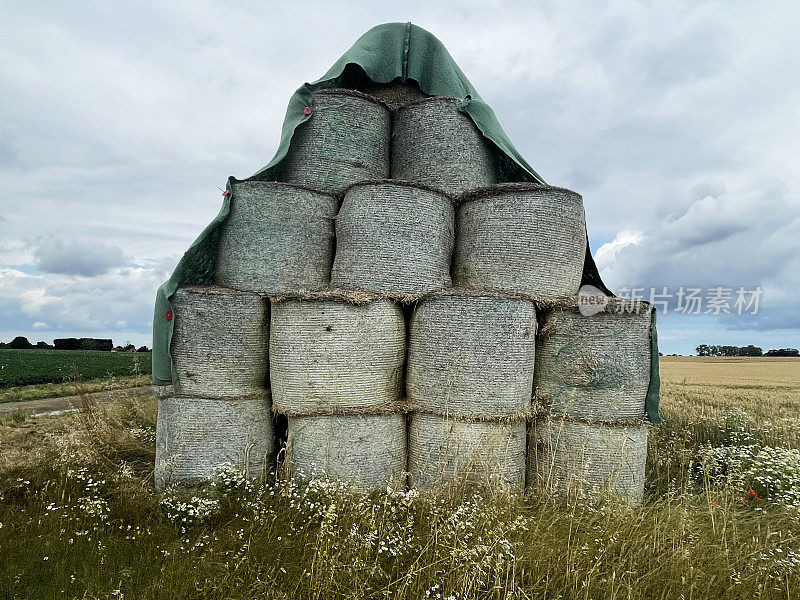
(389, 52)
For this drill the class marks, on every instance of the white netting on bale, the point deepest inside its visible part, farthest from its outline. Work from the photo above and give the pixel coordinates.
(220, 342)
(581, 460)
(332, 357)
(367, 452)
(522, 238)
(434, 144)
(278, 238)
(446, 452)
(472, 355)
(194, 436)
(394, 238)
(347, 139)
(596, 366)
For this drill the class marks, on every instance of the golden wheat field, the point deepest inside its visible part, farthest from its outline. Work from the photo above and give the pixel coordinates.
(721, 517)
(761, 372)
(764, 393)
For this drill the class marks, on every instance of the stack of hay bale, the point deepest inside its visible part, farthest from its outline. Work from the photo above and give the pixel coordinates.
(384, 203)
(218, 413)
(592, 374)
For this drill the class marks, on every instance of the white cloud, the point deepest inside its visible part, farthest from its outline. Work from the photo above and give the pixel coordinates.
(607, 253)
(120, 300)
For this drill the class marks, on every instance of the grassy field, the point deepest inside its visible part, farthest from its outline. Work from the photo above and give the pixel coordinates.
(79, 519)
(71, 388)
(31, 374)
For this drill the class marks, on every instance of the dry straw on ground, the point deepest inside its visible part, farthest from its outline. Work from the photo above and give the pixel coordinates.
(366, 452)
(347, 139)
(520, 237)
(588, 460)
(335, 357)
(595, 367)
(444, 452)
(278, 238)
(472, 355)
(196, 435)
(436, 145)
(395, 238)
(220, 342)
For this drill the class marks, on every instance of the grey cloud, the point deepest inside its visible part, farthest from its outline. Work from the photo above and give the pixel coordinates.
(75, 257)
(707, 233)
(8, 152)
(701, 50)
(742, 238)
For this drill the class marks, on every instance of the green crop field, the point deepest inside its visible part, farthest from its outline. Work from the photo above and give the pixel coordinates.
(29, 367)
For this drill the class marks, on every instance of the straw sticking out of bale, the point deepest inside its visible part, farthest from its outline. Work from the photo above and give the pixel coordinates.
(347, 139)
(196, 435)
(524, 238)
(436, 145)
(595, 367)
(393, 238)
(278, 238)
(472, 355)
(333, 357)
(395, 94)
(367, 452)
(443, 452)
(220, 342)
(587, 461)
(163, 391)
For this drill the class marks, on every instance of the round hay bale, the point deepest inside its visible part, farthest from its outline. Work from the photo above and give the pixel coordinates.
(329, 357)
(595, 367)
(219, 343)
(472, 355)
(194, 436)
(586, 461)
(395, 94)
(367, 452)
(395, 238)
(278, 238)
(447, 452)
(347, 139)
(436, 145)
(522, 238)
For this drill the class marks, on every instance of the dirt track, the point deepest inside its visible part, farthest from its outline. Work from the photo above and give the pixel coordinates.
(48, 405)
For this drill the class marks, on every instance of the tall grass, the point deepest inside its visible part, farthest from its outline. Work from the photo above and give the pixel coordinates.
(79, 519)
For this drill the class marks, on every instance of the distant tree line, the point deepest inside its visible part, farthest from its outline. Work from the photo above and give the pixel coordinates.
(784, 352)
(709, 350)
(105, 345)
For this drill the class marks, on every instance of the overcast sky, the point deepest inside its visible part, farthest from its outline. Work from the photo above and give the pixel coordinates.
(677, 122)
